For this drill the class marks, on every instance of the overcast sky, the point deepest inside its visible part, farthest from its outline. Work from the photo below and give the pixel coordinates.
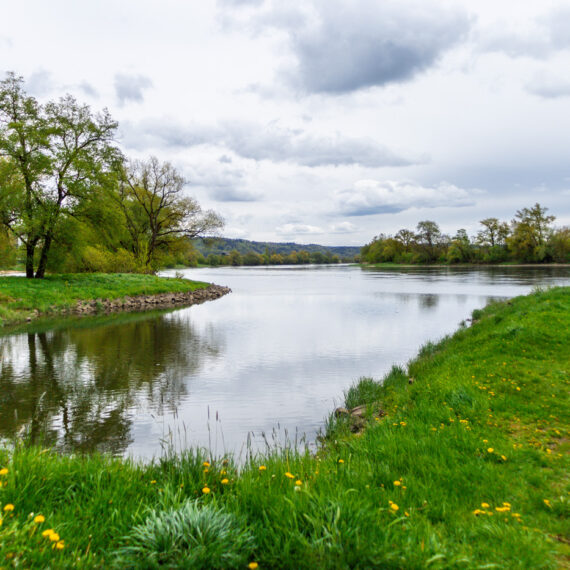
(322, 121)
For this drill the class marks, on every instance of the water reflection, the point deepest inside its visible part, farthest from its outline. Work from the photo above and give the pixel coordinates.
(80, 388)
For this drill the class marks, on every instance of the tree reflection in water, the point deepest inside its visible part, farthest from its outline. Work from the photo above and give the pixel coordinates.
(77, 388)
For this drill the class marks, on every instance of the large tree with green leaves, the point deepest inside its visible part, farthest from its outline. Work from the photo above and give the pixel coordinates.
(157, 213)
(55, 156)
(531, 229)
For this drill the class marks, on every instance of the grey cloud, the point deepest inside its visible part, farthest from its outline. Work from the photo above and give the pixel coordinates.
(131, 87)
(549, 87)
(343, 228)
(88, 89)
(268, 142)
(40, 83)
(388, 197)
(345, 45)
(223, 184)
(225, 159)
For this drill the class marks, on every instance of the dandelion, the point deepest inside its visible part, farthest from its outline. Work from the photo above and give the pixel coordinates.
(252, 565)
(153, 482)
(506, 504)
(547, 503)
(397, 483)
(478, 512)
(503, 457)
(47, 533)
(9, 507)
(298, 482)
(60, 545)
(289, 475)
(261, 468)
(406, 513)
(394, 507)
(490, 450)
(54, 537)
(39, 519)
(485, 505)
(206, 464)
(206, 490)
(341, 460)
(3, 471)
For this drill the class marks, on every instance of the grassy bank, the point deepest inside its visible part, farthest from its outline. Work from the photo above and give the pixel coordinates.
(467, 468)
(21, 298)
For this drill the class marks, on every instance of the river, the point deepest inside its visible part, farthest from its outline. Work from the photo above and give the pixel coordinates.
(264, 364)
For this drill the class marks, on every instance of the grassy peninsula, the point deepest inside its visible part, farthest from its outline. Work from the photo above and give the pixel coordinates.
(466, 466)
(22, 298)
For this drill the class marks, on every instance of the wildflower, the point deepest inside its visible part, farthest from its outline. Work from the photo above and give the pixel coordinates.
(506, 504)
(341, 460)
(518, 389)
(206, 464)
(289, 475)
(394, 507)
(252, 565)
(298, 482)
(490, 450)
(225, 481)
(54, 537)
(502, 509)
(478, 512)
(503, 457)
(60, 545)
(485, 505)
(407, 513)
(397, 483)
(47, 533)
(403, 423)
(153, 482)
(39, 519)
(206, 490)
(261, 468)
(1, 521)
(3, 471)
(547, 503)
(9, 507)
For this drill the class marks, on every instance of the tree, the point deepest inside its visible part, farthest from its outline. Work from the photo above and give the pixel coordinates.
(428, 237)
(531, 230)
(56, 155)
(156, 212)
(493, 233)
(406, 238)
(460, 249)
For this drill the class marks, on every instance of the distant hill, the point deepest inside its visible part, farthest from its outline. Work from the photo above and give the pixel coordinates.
(221, 246)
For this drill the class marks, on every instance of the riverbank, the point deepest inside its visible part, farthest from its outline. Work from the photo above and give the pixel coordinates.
(502, 265)
(462, 461)
(24, 299)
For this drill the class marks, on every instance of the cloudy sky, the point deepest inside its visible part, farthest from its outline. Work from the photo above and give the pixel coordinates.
(322, 121)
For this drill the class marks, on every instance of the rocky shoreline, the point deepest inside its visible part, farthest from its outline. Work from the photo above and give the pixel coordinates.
(145, 302)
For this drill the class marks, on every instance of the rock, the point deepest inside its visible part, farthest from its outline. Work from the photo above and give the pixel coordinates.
(341, 412)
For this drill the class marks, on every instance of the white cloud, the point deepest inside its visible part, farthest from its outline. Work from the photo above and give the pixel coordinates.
(343, 228)
(298, 229)
(375, 197)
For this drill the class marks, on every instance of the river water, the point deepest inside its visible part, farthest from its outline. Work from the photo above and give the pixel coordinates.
(267, 362)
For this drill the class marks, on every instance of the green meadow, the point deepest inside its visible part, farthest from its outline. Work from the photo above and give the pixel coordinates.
(466, 466)
(21, 298)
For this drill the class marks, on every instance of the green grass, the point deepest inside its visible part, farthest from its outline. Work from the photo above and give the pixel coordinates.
(21, 298)
(468, 469)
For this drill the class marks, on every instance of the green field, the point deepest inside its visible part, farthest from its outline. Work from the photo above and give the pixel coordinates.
(467, 467)
(21, 298)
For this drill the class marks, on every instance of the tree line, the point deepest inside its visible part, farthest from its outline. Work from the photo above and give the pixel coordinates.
(252, 258)
(529, 238)
(70, 200)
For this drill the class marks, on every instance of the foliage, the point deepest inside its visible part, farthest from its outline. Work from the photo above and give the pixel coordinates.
(530, 238)
(467, 469)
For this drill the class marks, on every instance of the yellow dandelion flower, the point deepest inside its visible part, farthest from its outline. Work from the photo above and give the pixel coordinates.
(252, 565)
(39, 519)
(261, 468)
(4, 471)
(9, 507)
(298, 482)
(478, 512)
(225, 481)
(206, 490)
(397, 483)
(341, 460)
(153, 482)
(485, 505)
(394, 507)
(506, 504)
(47, 533)
(547, 503)
(206, 464)
(54, 537)
(504, 457)
(490, 450)
(60, 545)
(289, 475)
(518, 389)
(406, 513)
(1, 521)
